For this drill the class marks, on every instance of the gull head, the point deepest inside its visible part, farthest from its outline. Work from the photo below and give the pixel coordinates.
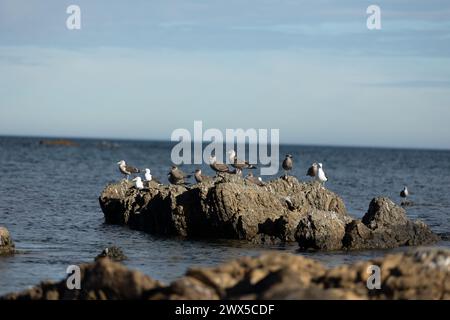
(231, 153)
(137, 179)
(147, 170)
(289, 156)
(121, 163)
(212, 159)
(319, 165)
(199, 171)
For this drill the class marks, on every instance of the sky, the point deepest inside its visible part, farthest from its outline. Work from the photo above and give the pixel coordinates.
(312, 69)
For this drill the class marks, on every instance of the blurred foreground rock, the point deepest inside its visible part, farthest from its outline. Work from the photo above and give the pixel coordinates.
(417, 274)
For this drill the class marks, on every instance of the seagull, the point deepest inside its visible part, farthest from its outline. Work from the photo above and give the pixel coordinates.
(404, 193)
(287, 164)
(126, 169)
(201, 178)
(148, 177)
(312, 171)
(176, 176)
(256, 180)
(239, 164)
(218, 167)
(138, 183)
(321, 174)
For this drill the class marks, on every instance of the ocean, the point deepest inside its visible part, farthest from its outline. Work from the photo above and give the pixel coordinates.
(49, 203)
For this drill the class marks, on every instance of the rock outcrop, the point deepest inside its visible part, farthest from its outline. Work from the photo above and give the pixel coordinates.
(6, 244)
(417, 274)
(229, 208)
(284, 210)
(385, 225)
(114, 253)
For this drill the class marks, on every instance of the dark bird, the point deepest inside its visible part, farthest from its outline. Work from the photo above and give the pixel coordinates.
(176, 176)
(256, 180)
(199, 177)
(287, 164)
(239, 164)
(404, 193)
(218, 167)
(313, 170)
(126, 169)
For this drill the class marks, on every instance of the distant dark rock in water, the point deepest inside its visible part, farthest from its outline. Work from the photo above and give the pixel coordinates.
(407, 203)
(7, 246)
(59, 142)
(284, 210)
(421, 274)
(114, 253)
(108, 145)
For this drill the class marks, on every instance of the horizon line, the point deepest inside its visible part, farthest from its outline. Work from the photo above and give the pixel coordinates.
(356, 146)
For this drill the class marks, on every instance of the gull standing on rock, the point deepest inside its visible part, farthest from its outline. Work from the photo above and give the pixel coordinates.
(256, 180)
(218, 167)
(138, 183)
(239, 164)
(199, 177)
(148, 177)
(287, 164)
(126, 169)
(312, 171)
(321, 176)
(176, 176)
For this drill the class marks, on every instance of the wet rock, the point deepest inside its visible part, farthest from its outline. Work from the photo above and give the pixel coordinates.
(385, 225)
(228, 207)
(7, 246)
(114, 253)
(321, 230)
(283, 210)
(422, 274)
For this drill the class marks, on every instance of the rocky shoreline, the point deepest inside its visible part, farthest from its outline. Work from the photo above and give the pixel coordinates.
(283, 210)
(421, 274)
(7, 246)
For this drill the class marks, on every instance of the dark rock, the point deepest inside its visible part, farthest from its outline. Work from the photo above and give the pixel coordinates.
(7, 246)
(421, 274)
(229, 207)
(114, 253)
(284, 210)
(102, 280)
(321, 230)
(385, 225)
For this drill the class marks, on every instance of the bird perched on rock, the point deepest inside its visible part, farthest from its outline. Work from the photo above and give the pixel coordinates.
(239, 164)
(218, 167)
(312, 171)
(404, 193)
(199, 177)
(148, 177)
(287, 164)
(321, 176)
(126, 169)
(138, 184)
(176, 176)
(256, 180)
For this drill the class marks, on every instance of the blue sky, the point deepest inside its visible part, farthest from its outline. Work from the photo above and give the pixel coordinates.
(310, 68)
